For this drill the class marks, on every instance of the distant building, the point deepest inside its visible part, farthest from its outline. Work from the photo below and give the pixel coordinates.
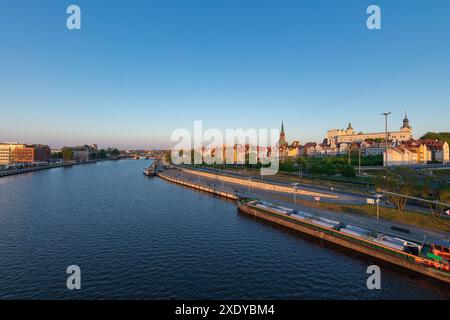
(284, 149)
(349, 135)
(408, 153)
(282, 141)
(439, 150)
(7, 152)
(81, 153)
(372, 148)
(32, 154)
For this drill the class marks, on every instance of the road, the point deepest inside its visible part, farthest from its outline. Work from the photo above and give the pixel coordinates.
(416, 234)
(345, 195)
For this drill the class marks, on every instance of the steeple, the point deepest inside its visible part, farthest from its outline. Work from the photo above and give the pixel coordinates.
(406, 122)
(349, 126)
(282, 141)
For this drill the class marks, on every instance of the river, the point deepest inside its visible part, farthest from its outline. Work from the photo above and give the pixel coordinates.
(136, 237)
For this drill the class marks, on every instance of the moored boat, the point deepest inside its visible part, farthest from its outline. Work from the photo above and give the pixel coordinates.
(428, 260)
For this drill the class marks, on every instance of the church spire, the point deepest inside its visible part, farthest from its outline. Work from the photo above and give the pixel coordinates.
(349, 126)
(282, 141)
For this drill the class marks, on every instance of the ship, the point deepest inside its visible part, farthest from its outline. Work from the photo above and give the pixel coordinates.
(430, 260)
(151, 170)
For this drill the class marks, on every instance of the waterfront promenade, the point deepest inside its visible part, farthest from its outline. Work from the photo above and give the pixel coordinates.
(198, 181)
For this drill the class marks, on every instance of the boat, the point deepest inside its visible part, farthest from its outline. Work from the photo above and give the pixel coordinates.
(150, 171)
(431, 260)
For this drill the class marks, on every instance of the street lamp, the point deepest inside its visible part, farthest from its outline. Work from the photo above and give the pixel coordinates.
(378, 196)
(386, 114)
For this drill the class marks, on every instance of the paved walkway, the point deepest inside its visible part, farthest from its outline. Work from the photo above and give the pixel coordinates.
(416, 234)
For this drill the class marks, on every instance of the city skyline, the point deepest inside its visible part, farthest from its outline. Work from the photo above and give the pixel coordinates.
(133, 74)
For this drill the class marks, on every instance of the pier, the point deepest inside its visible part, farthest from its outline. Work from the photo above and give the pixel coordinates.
(200, 187)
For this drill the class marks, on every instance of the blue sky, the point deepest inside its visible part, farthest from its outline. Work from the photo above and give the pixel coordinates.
(140, 69)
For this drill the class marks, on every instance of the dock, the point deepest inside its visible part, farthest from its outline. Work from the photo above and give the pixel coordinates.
(214, 191)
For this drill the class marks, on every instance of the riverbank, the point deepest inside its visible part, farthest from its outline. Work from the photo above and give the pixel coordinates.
(419, 225)
(379, 246)
(7, 173)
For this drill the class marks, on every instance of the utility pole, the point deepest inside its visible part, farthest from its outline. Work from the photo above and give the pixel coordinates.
(386, 114)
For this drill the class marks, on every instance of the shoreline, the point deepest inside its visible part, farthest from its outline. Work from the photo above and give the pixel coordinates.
(14, 172)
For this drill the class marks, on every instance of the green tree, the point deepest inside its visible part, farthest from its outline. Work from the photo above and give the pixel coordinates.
(348, 171)
(56, 155)
(67, 154)
(114, 152)
(102, 154)
(287, 165)
(328, 167)
(443, 136)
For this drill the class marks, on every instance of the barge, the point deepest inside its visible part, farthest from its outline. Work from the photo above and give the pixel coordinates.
(432, 261)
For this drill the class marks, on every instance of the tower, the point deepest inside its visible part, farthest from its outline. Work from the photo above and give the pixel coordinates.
(349, 129)
(282, 141)
(406, 122)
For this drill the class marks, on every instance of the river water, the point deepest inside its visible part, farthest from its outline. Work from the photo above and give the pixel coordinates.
(136, 237)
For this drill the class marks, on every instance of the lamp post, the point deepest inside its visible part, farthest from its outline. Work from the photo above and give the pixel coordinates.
(386, 114)
(378, 205)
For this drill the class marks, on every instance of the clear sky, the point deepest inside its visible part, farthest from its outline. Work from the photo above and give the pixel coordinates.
(137, 70)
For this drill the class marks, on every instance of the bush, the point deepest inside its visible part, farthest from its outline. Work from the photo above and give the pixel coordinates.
(348, 171)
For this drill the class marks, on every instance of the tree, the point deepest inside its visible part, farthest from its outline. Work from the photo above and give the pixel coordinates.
(441, 195)
(401, 182)
(56, 155)
(348, 171)
(102, 154)
(287, 165)
(443, 136)
(67, 154)
(328, 167)
(114, 152)
(167, 157)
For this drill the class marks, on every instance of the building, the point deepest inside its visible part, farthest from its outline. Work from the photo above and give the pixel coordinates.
(32, 154)
(282, 141)
(372, 148)
(7, 152)
(408, 153)
(439, 150)
(349, 135)
(286, 150)
(12, 153)
(81, 153)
